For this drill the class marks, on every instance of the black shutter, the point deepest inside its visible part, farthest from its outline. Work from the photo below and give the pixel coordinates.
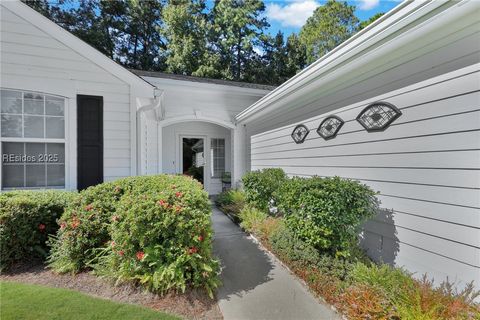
(90, 141)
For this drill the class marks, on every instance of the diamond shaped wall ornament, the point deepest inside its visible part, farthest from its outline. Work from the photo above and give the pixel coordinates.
(300, 133)
(378, 116)
(329, 127)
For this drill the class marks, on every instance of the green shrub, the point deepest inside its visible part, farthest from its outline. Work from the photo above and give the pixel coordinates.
(152, 229)
(260, 186)
(329, 213)
(391, 280)
(163, 238)
(26, 220)
(85, 225)
(284, 243)
(290, 248)
(231, 201)
(287, 196)
(251, 217)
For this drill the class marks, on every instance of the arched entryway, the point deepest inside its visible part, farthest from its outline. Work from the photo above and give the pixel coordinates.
(197, 148)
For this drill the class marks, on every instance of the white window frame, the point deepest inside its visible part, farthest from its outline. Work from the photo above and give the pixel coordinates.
(212, 169)
(66, 117)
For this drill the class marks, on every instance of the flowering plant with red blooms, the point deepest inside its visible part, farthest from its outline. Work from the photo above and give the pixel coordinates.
(41, 227)
(200, 238)
(75, 222)
(141, 223)
(163, 203)
(140, 255)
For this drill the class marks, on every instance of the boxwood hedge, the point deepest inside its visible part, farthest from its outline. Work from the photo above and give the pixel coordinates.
(27, 218)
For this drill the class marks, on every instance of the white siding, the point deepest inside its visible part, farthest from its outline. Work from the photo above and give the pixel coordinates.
(218, 102)
(426, 166)
(33, 60)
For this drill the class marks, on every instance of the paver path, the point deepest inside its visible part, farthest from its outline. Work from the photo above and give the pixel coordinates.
(256, 286)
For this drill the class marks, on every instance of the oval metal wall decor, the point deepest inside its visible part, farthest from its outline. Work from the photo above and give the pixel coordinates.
(378, 116)
(329, 127)
(300, 133)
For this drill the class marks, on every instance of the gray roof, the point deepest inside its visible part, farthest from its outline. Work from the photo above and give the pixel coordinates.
(181, 77)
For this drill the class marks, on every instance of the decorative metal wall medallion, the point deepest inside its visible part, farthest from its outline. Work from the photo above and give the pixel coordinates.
(378, 116)
(300, 133)
(329, 127)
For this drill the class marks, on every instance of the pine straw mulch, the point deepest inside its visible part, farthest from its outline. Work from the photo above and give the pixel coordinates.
(193, 304)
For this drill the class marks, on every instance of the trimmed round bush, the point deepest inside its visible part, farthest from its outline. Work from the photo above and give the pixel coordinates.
(327, 213)
(260, 186)
(27, 218)
(155, 230)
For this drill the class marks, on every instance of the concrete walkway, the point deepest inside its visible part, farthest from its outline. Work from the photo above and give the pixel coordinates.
(255, 286)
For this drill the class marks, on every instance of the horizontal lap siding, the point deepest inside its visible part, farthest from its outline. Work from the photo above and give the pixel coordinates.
(426, 167)
(31, 58)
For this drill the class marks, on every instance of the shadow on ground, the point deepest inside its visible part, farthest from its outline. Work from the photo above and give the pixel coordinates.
(244, 265)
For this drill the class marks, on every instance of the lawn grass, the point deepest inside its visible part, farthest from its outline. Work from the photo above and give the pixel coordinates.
(23, 301)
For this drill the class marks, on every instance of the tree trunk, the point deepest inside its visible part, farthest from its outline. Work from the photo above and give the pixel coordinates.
(239, 60)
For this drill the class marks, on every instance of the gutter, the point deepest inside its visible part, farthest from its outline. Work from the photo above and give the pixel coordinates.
(354, 45)
(155, 105)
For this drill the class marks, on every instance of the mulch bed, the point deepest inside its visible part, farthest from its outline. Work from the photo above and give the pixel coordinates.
(193, 304)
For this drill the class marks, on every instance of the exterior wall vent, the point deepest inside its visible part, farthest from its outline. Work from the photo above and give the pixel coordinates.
(300, 133)
(329, 127)
(378, 116)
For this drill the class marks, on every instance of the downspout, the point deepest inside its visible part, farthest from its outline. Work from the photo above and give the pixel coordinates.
(157, 106)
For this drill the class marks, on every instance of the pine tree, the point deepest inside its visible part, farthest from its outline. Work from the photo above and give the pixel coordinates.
(296, 55)
(330, 25)
(238, 25)
(186, 30)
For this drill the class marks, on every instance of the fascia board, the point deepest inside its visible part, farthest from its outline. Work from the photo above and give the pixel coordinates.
(398, 18)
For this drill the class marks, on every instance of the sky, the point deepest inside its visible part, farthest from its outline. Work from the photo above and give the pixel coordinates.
(290, 15)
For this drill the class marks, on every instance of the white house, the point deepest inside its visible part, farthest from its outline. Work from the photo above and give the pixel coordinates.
(418, 66)
(397, 107)
(71, 117)
(193, 108)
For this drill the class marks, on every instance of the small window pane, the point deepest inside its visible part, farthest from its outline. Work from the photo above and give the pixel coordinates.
(33, 127)
(35, 175)
(11, 101)
(12, 176)
(11, 126)
(54, 106)
(218, 157)
(55, 128)
(11, 151)
(56, 152)
(33, 104)
(34, 152)
(55, 175)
